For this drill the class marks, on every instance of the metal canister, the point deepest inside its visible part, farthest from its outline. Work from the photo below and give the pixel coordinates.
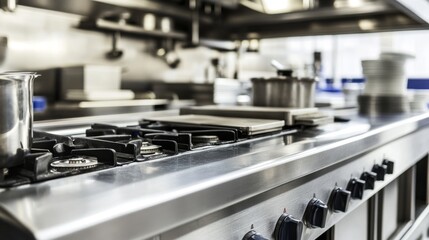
(16, 116)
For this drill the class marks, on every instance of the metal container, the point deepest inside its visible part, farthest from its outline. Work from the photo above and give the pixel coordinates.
(16, 116)
(284, 91)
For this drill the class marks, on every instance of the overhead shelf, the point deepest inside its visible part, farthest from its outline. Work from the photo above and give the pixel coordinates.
(109, 26)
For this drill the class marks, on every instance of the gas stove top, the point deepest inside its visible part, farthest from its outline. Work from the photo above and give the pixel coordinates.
(182, 187)
(104, 146)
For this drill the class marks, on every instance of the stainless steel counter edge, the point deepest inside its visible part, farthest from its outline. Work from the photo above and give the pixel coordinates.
(166, 210)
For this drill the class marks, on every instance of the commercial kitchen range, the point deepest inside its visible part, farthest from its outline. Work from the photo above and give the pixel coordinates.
(356, 178)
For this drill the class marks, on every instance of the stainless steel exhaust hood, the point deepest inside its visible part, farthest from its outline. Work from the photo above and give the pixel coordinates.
(261, 18)
(417, 9)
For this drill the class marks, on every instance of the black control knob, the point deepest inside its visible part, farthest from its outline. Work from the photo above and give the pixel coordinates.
(339, 200)
(288, 228)
(380, 170)
(369, 178)
(315, 214)
(356, 187)
(389, 166)
(253, 235)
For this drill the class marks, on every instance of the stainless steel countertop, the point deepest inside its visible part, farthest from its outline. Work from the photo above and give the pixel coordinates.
(140, 200)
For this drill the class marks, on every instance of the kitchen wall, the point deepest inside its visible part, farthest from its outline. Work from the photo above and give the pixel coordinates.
(40, 39)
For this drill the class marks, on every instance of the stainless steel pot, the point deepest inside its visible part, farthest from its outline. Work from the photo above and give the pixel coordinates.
(284, 92)
(16, 116)
(275, 92)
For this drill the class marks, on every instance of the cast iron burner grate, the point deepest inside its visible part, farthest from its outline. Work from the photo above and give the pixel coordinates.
(106, 146)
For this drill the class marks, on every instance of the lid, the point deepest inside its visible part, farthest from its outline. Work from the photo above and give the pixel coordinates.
(275, 79)
(396, 56)
(309, 79)
(284, 72)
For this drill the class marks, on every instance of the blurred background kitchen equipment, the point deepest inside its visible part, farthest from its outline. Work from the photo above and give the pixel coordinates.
(16, 117)
(92, 82)
(385, 89)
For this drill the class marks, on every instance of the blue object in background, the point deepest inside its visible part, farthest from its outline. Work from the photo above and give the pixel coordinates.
(413, 83)
(352, 80)
(329, 87)
(418, 83)
(39, 104)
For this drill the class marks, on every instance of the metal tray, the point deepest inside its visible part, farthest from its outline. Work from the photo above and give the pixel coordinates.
(286, 114)
(249, 126)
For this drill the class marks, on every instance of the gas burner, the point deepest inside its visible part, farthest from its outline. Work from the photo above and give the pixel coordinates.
(206, 139)
(76, 163)
(149, 149)
(105, 146)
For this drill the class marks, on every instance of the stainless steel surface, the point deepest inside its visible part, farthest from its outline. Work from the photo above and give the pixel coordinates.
(389, 209)
(263, 210)
(183, 189)
(419, 229)
(16, 116)
(286, 114)
(250, 126)
(358, 219)
(415, 9)
(407, 187)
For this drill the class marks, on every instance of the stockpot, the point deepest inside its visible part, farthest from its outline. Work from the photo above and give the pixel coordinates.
(16, 116)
